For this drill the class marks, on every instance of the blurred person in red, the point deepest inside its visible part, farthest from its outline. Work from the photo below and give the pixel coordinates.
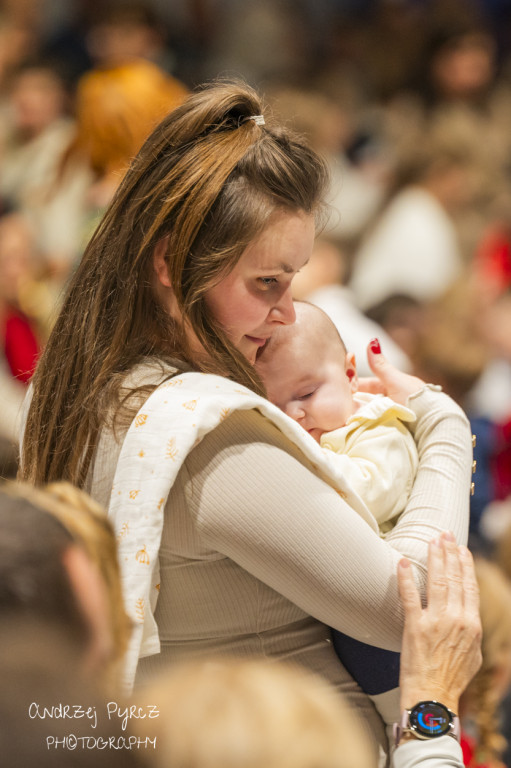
(19, 333)
(495, 323)
(492, 259)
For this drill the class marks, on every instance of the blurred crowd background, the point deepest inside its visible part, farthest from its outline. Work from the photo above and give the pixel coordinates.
(409, 101)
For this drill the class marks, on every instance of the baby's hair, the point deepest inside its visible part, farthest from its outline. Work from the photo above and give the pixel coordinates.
(283, 333)
(326, 320)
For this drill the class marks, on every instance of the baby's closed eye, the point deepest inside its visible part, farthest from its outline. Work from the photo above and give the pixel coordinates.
(305, 395)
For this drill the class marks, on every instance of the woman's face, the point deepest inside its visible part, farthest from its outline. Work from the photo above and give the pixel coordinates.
(255, 297)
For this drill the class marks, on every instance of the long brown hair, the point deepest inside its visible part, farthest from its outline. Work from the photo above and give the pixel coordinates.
(208, 179)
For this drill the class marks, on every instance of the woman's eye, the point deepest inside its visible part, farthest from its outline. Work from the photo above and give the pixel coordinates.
(268, 281)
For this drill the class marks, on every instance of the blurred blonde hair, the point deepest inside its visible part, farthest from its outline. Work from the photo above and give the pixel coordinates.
(482, 697)
(87, 523)
(117, 108)
(232, 713)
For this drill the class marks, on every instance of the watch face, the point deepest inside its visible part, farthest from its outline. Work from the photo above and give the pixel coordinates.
(430, 719)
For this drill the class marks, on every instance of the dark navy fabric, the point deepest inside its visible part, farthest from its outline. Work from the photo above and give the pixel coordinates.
(484, 490)
(374, 669)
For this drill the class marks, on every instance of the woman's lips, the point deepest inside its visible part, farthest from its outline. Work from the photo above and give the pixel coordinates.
(258, 341)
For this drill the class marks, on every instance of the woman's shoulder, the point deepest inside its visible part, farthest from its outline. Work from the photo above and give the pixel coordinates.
(153, 371)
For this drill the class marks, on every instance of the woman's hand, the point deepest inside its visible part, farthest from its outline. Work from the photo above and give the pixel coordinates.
(442, 642)
(389, 380)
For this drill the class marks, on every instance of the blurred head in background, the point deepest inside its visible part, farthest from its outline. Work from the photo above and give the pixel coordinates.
(117, 108)
(229, 713)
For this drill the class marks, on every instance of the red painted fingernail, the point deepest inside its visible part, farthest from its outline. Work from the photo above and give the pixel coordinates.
(374, 344)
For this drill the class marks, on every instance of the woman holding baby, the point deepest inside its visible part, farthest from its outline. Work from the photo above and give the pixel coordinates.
(236, 535)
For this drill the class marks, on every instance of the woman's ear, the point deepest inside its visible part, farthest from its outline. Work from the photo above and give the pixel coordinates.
(159, 263)
(351, 371)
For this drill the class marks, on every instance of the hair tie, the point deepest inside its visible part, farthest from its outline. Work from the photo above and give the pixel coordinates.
(258, 119)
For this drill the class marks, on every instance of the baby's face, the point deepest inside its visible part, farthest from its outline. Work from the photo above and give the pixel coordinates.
(312, 382)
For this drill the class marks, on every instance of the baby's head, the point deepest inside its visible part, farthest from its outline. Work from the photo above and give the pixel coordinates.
(307, 372)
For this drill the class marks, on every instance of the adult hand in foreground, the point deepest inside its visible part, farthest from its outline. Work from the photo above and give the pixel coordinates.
(442, 642)
(388, 379)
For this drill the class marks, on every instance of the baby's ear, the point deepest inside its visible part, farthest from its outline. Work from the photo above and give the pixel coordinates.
(351, 371)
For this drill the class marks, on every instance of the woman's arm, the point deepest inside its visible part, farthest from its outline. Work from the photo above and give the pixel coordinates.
(256, 500)
(444, 752)
(440, 497)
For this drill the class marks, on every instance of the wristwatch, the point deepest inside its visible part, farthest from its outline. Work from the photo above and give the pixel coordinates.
(427, 720)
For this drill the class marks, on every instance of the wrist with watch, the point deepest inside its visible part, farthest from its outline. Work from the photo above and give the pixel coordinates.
(427, 720)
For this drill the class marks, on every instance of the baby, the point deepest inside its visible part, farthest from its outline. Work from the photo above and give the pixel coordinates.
(309, 375)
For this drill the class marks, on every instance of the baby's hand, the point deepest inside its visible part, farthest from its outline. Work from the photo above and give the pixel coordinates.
(390, 381)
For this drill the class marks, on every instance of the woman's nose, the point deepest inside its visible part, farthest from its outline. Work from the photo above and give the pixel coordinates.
(284, 311)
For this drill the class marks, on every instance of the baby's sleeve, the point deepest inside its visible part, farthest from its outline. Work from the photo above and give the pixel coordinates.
(380, 462)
